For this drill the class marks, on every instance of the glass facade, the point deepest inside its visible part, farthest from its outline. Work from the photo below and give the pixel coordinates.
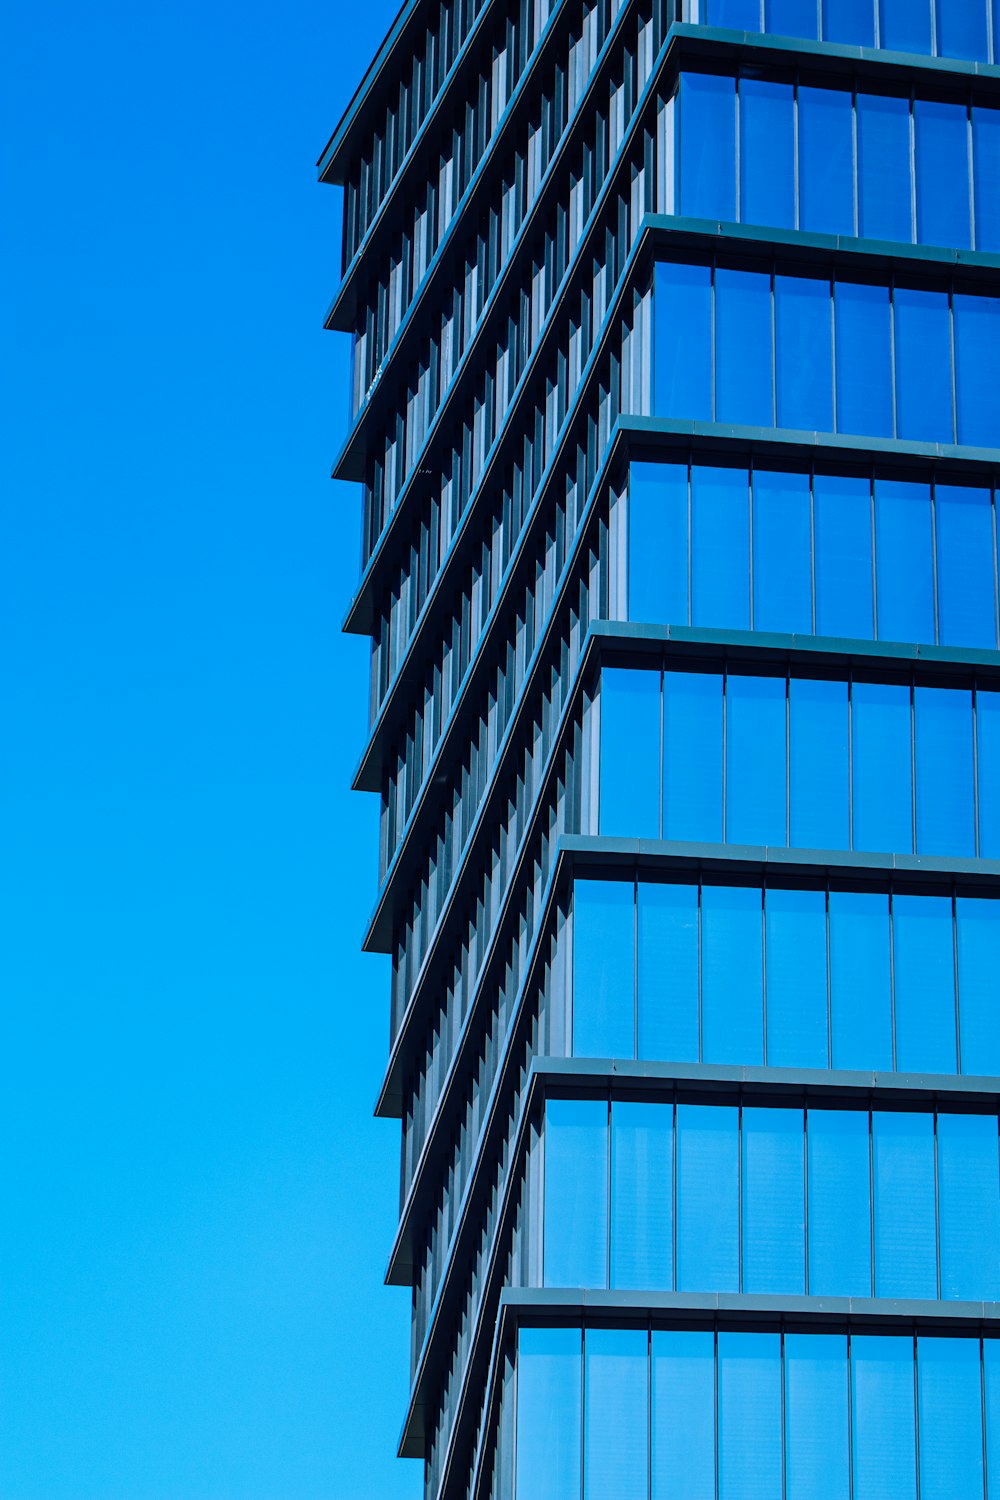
(961, 29)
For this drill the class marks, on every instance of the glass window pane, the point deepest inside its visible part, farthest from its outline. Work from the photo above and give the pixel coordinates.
(977, 369)
(692, 756)
(743, 348)
(924, 955)
(882, 767)
(630, 743)
(782, 553)
(682, 342)
(615, 1435)
(749, 1416)
(642, 1187)
(603, 968)
(991, 1402)
(905, 1255)
(904, 561)
(884, 167)
(826, 161)
(732, 975)
(923, 365)
(864, 369)
(773, 1201)
(986, 172)
(683, 1425)
(755, 760)
(658, 543)
(946, 813)
(804, 353)
(882, 1401)
(795, 939)
(941, 136)
(816, 1417)
(818, 735)
(969, 1206)
(966, 587)
(549, 1382)
(736, 15)
(842, 510)
(708, 1195)
(576, 1193)
(668, 972)
(840, 1262)
(962, 29)
(790, 17)
(708, 146)
(979, 984)
(767, 153)
(988, 746)
(950, 1414)
(905, 25)
(851, 21)
(860, 980)
(720, 556)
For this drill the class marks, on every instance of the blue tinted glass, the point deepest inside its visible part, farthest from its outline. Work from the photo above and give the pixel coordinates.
(668, 972)
(905, 1254)
(946, 814)
(977, 369)
(924, 955)
(884, 168)
(749, 1416)
(708, 146)
(969, 1206)
(826, 161)
(615, 1433)
(904, 561)
(923, 365)
(630, 742)
(743, 348)
(708, 1189)
(658, 543)
(962, 29)
(692, 756)
(860, 980)
(985, 173)
(941, 137)
(683, 1425)
(773, 1201)
(782, 546)
(905, 25)
(576, 1193)
(818, 801)
(882, 1400)
(864, 370)
(842, 510)
(978, 989)
(803, 353)
(738, 15)
(642, 1187)
(732, 975)
(682, 342)
(966, 586)
(988, 746)
(603, 968)
(991, 1403)
(548, 1413)
(795, 938)
(755, 760)
(720, 549)
(850, 21)
(817, 1460)
(950, 1414)
(767, 153)
(790, 17)
(840, 1261)
(882, 767)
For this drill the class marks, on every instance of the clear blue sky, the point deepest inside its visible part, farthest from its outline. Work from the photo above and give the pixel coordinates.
(196, 1202)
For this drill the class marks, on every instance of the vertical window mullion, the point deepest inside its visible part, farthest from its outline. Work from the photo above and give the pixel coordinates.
(958, 998)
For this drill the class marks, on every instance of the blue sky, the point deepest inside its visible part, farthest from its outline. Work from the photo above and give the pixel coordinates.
(198, 1204)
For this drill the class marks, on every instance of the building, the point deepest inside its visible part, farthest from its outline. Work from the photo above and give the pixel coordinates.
(677, 415)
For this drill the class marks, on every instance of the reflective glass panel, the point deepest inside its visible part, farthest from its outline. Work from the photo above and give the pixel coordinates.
(658, 543)
(840, 1262)
(642, 1186)
(630, 742)
(851, 21)
(988, 745)
(683, 1425)
(773, 1201)
(692, 756)
(616, 1417)
(782, 550)
(864, 371)
(979, 984)
(882, 1410)
(991, 1403)
(708, 1193)
(803, 315)
(924, 955)
(790, 17)
(966, 580)
(884, 167)
(905, 25)
(603, 968)
(743, 348)
(905, 1254)
(549, 1374)
(737, 15)
(986, 173)
(818, 734)
(749, 1416)
(950, 1416)
(767, 153)
(962, 29)
(576, 1193)
(682, 342)
(946, 811)
(969, 1206)
(720, 549)
(923, 365)
(708, 146)
(755, 760)
(817, 1460)
(668, 972)
(941, 137)
(904, 554)
(795, 936)
(977, 369)
(826, 161)
(860, 980)
(732, 975)
(882, 767)
(842, 510)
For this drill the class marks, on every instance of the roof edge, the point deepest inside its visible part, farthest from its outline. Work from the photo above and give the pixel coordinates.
(330, 165)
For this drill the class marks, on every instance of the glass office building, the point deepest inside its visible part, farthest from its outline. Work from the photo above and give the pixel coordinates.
(676, 415)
